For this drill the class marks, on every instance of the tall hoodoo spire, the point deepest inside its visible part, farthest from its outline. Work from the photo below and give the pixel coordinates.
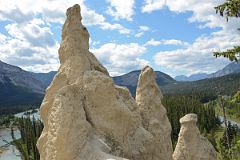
(75, 37)
(153, 113)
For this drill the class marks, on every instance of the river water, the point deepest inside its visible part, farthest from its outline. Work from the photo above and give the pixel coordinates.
(232, 122)
(9, 152)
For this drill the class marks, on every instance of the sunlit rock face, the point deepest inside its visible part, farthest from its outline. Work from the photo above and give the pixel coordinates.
(191, 145)
(153, 113)
(86, 116)
(66, 130)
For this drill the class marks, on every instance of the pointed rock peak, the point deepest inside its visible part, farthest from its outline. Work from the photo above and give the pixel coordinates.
(75, 36)
(189, 118)
(146, 76)
(153, 113)
(146, 68)
(147, 71)
(74, 12)
(146, 82)
(74, 19)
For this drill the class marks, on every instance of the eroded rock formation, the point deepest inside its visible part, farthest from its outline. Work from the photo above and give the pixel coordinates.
(153, 113)
(191, 145)
(87, 117)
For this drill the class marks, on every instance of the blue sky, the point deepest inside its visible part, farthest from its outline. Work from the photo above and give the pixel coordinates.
(173, 36)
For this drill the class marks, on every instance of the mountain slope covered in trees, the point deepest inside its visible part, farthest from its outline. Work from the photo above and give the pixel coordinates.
(20, 78)
(207, 89)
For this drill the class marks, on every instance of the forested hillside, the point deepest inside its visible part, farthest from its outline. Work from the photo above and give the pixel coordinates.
(207, 89)
(178, 106)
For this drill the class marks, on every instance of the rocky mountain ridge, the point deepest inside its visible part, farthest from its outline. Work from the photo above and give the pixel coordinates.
(232, 68)
(18, 88)
(18, 77)
(194, 77)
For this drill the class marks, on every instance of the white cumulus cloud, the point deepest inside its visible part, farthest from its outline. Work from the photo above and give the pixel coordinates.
(121, 58)
(151, 5)
(153, 42)
(53, 12)
(121, 9)
(198, 57)
(28, 44)
(29, 41)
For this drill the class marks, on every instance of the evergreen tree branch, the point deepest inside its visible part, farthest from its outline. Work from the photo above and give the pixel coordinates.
(232, 54)
(230, 8)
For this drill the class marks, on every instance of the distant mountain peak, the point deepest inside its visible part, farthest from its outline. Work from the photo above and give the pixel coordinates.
(193, 77)
(130, 79)
(231, 68)
(20, 78)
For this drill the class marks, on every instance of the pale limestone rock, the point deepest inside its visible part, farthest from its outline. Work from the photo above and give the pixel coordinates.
(67, 133)
(154, 116)
(191, 145)
(113, 113)
(85, 116)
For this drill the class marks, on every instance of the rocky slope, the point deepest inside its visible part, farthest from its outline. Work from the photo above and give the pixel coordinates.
(18, 88)
(87, 117)
(18, 77)
(231, 68)
(44, 78)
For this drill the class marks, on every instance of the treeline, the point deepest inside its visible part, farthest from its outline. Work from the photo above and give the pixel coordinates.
(30, 131)
(178, 106)
(16, 96)
(206, 89)
(232, 108)
(8, 110)
(6, 121)
(230, 148)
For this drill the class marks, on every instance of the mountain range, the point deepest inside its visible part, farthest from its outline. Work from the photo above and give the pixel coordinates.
(231, 68)
(18, 87)
(16, 76)
(21, 88)
(193, 77)
(130, 80)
